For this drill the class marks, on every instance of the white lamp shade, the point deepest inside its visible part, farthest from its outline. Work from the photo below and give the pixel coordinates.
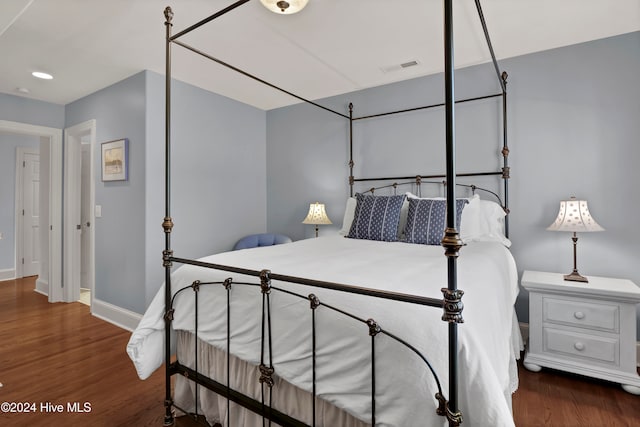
(283, 7)
(317, 215)
(574, 216)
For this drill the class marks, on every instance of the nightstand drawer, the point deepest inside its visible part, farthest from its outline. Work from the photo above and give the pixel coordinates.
(582, 314)
(601, 349)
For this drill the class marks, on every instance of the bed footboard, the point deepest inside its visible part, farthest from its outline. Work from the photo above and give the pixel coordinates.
(267, 395)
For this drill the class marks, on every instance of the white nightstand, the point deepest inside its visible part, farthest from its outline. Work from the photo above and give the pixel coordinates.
(584, 328)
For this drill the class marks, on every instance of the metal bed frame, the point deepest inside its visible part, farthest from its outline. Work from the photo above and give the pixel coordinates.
(451, 303)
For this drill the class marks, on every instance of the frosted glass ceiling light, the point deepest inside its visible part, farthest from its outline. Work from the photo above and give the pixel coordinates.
(282, 7)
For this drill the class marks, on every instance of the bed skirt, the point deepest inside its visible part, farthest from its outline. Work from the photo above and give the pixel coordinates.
(287, 398)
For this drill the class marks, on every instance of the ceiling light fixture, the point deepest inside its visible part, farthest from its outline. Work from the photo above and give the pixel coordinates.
(23, 90)
(41, 75)
(282, 7)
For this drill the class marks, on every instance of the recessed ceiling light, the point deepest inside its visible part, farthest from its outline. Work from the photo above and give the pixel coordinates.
(22, 90)
(41, 75)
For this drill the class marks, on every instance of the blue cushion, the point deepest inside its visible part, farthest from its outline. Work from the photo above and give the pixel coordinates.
(264, 239)
(426, 220)
(376, 217)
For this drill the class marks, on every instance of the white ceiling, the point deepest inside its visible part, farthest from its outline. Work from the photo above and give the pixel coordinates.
(331, 47)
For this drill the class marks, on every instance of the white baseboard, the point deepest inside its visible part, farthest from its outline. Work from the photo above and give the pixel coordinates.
(42, 287)
(118, 316)
(524, 330)
(7, 274)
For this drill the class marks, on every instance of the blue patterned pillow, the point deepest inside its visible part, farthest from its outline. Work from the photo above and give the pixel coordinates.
(376, 217)
(427, 220)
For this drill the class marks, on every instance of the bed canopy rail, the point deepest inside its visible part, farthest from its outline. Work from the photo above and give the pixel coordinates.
(451, 301)
(174, 39)
(425, 107)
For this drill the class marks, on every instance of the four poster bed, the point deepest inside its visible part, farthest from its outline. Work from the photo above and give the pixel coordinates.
(334, 331)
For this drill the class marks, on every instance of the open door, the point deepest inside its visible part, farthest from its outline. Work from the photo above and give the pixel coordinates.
(78, 246)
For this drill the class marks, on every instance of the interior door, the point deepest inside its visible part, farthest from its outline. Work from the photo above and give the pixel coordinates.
(31, 213)
(78, 242)
(85, 217)
(72, 220)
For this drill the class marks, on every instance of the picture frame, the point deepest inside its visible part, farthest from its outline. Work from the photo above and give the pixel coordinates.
(115, 160)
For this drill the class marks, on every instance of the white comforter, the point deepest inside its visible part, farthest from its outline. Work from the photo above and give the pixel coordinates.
(488, 339)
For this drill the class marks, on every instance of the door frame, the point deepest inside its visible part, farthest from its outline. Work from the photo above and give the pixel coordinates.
(53, 285)
(72, 198)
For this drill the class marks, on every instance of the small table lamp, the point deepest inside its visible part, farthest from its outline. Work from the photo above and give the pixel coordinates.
(574, 216)
(317, 215)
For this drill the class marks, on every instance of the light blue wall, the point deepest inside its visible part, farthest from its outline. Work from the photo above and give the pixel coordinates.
(222, 139)
(8, 144)
(211, 195)
(574, 121)
(218, 181)
(119, 111)
(29, 111)
(573, 130)
(308, 152)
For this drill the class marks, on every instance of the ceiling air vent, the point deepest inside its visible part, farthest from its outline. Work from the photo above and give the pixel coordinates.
(400, 67)
(409, 64)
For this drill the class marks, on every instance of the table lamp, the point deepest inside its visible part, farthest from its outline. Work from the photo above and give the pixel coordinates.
(574, 216)
(317, 215)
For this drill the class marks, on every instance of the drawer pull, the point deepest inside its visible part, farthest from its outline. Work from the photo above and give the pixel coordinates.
(578, 315)
(579, 346)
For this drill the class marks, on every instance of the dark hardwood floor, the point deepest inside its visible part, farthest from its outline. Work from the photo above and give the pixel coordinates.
(60, 354)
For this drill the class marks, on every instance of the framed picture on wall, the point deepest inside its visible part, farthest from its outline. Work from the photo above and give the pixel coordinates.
(115, 160)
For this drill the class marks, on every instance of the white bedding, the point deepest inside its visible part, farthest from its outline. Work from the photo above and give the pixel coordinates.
(489, 339)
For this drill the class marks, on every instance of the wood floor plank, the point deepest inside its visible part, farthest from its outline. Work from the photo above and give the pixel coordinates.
(59, 353)
(558, 399)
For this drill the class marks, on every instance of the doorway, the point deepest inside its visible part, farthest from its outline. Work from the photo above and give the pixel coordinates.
(49, 280)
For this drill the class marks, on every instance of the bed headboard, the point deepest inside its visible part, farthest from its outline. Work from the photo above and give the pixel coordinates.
(415, 182)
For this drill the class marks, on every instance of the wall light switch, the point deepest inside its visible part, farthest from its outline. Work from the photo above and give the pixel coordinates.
(0, 235)
(98, 211)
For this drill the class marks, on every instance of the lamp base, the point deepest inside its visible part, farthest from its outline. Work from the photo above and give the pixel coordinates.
(575, 277)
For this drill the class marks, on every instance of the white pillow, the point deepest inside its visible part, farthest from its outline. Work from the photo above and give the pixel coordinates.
(404, 213)
(349, 213)
(471, 226)
(483, 221)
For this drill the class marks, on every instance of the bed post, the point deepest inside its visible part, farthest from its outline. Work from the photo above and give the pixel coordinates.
(502, 79)
(452, 303)
(505, 153)
(167, 225)
(351, 179)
